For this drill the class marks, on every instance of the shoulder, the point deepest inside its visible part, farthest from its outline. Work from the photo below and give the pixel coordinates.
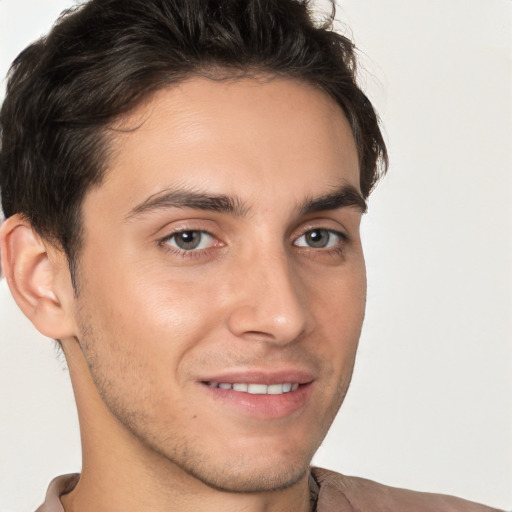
(339, 492)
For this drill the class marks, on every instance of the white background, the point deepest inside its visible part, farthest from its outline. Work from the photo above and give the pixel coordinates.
(431, 401)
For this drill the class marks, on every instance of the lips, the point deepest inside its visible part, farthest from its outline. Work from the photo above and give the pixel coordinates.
(261, 394)
(264, 376)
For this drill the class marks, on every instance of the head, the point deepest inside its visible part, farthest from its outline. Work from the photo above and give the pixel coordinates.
(103, 59)
(193, 174)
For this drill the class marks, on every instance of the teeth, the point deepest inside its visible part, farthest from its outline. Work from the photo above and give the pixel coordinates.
(275, 389)
(256, 389)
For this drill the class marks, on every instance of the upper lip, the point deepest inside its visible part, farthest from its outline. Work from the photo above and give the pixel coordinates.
(268, 377)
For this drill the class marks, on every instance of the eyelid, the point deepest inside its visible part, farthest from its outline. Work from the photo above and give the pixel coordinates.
(327, 223)
(176, 226)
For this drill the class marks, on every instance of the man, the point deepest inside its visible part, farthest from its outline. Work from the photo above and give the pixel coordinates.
(183, 184)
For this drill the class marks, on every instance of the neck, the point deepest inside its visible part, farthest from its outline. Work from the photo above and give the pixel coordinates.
(120, 473)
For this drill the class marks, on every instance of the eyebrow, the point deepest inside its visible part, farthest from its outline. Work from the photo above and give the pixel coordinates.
(194, 200)
(345, 196)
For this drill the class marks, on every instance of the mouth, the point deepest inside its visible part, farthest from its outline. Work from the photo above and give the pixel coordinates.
(261, 395)
(253, 388)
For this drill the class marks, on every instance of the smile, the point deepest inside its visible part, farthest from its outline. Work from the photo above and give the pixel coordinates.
(256, 389)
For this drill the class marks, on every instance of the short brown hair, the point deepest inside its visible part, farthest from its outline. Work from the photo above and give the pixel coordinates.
(104, 57)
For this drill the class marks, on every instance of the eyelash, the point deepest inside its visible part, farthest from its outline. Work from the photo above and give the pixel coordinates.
(336, 250)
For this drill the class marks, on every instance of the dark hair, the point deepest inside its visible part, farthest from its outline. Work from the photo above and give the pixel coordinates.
(103, 58)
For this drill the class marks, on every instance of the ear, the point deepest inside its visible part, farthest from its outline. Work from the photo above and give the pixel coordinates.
(38, 276)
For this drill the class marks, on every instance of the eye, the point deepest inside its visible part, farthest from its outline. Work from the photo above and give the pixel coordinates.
(319, 239)
(192, 240)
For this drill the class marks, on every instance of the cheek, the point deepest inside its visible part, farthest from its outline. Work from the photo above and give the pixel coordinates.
(137, 332)
(339, 308)
(149, 316)
(339, 297)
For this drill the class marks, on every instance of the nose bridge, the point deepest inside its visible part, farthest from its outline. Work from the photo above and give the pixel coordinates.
(270, 304)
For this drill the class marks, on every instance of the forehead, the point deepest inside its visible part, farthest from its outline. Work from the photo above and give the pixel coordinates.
(233, 137)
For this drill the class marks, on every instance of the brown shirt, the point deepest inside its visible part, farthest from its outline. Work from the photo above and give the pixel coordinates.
(336, 493)
(339, 493)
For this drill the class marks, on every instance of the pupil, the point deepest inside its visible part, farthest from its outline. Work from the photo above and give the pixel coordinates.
(317, 238)
(188, 239)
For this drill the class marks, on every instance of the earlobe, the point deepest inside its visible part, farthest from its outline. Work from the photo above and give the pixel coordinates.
(31, 271)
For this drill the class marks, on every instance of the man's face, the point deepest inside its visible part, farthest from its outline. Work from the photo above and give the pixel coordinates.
(222, 260)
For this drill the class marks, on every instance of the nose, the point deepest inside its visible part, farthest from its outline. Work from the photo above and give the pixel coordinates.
(271, 302)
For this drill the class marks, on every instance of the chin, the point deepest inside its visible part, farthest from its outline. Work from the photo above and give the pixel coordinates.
(249, 466)
(250, 479)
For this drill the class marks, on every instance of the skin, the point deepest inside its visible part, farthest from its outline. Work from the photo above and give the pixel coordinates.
(152, 321)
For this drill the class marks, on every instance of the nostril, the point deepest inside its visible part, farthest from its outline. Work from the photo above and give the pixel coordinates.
(258, 335)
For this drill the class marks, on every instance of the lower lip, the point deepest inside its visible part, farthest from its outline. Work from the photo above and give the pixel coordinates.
(262, 406)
